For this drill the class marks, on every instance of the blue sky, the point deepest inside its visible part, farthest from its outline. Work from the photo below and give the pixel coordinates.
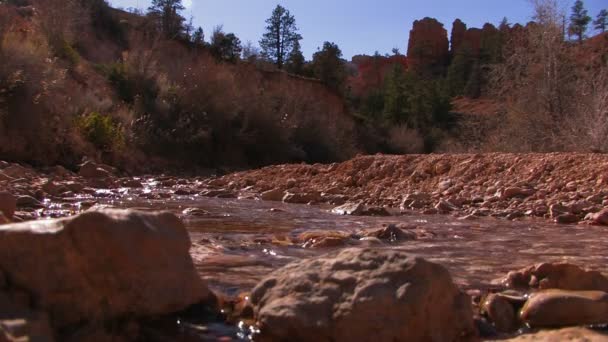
(357, 26)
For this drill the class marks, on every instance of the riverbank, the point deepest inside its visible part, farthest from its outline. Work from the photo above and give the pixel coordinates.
(239, 233)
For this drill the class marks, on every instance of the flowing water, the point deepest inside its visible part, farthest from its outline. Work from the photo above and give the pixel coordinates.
(238, 242)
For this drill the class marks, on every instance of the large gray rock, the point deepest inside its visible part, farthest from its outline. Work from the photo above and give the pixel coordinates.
(362, 295)
(101, 265)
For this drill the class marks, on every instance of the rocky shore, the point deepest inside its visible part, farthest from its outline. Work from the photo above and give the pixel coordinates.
(89, 273)
(564, 187)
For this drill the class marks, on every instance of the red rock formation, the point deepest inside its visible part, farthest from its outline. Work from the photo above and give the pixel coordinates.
(372, 70)
(428, 48)
(459, 30)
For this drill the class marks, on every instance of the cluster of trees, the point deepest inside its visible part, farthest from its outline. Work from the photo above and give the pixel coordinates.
(580, 20)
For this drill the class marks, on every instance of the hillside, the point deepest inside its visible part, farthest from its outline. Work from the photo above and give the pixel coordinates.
(104, 85)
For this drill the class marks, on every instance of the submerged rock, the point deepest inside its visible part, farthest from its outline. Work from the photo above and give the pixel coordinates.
(103, 264)
(362, 295)
(557, 308)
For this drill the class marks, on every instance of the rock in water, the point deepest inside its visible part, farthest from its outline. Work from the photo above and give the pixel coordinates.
(557, 308)
(362, 295)
(103, 264)
(557, 276)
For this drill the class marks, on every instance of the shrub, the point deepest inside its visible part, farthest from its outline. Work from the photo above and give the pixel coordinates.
(101, 131)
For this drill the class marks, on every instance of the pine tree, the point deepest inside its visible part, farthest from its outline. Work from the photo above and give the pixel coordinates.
(296, 60)
(601, 21)
(198, 37)
(579, 20)
(225, 46)
(396, 101)
(329, 66)
(171, 23)
(458, 72)
(280, 37)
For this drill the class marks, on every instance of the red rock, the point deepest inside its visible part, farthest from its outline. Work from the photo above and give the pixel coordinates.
(8, 204)
(558, 308)
(600, 218)
(103, 265)
(557, 276)
(362, 295)
(459, 30)
(428, 48)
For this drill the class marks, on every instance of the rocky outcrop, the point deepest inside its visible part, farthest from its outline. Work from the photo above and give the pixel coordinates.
(459, 30)
(371, 72)
(101, 265)
(428, 47)
(557, 308)
(557, 276)
(362, 295)
(567, 334)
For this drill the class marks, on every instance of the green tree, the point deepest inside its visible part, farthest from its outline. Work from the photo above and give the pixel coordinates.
(225, 46)
(329, 67)
(295, 62)
(167, 13)
(198, 37)
(459, 71)
(601, 21)
(473, 87)
(281, 36)
(579, 20)
(396, 101)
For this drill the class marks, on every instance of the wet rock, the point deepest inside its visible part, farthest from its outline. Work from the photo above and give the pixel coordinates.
(17, 171)
(558, 308)
(600, 218)
(445, 206)
(5, 177)
(566, 334)
(557, 276)
(20, 323)
(557, 209)
(196, 212)
(28, 202)
(393, 233)
(362, 295)
(92, 170)
(275, 195)
(512, 192)
(301, 198)
(103, 264)
(359, 209)
(566, 219)
(132, 183)
(184, 192)
(8, 204)
(500, 312)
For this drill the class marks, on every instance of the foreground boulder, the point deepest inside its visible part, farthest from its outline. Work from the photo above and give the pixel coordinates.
(567, 334)
(8, 204)
(362, 295)
(557, 308)
(102, 264)
(557, 276)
